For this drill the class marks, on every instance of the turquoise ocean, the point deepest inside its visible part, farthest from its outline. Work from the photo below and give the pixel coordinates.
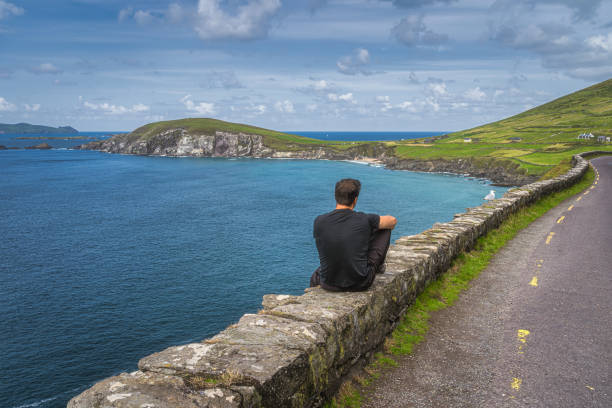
(105, 258)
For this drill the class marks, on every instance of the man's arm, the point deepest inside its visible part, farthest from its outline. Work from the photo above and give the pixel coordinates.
(387, 222)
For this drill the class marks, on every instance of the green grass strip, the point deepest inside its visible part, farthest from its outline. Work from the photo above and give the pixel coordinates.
(443, 292)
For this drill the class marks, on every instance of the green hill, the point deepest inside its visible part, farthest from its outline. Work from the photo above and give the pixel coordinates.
(26, 128)
(208, 126)
(536, 140)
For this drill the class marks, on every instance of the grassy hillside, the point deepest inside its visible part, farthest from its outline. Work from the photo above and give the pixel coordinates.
(548, 134)
(206, 126)
(26, 128)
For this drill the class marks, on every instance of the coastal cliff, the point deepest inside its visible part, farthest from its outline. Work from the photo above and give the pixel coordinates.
(187, 140)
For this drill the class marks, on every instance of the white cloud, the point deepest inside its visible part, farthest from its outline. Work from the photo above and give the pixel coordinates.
(475, 94)
(203, 108)
(412, 31)
(600, 42)
(407, 106)
(139, 107)
(355, 63)
(438, 88)
(383, 98)
(32, 108)
(143, 17)
(321, 85)
(125, 13)
(257, 109)
(114, 109)
(285, 106)
(7, 9)
(250, 21)
(46, 68)
(6, 106)
(312, 107)
(459, 105)
(347, 97)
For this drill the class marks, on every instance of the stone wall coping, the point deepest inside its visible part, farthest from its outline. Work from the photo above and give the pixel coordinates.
(296, 350)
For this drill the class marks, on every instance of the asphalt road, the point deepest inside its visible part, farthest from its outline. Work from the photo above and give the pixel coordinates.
(533, 330)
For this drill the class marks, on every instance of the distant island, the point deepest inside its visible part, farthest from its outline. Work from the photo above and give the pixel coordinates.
(26, 128)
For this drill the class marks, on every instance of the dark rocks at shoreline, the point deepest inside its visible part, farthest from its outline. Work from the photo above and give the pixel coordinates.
(42, 146)
(3, 147)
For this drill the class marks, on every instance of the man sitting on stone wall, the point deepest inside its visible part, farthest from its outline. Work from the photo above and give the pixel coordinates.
(352, 245)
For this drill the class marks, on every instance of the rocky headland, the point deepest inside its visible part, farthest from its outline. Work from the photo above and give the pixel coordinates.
(182, 141)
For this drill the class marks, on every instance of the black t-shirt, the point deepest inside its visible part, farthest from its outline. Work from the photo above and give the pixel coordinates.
(342, 238)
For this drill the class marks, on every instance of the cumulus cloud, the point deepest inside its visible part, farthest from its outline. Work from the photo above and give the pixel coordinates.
(203, 108)
(412, 31)
(6, 106)
(355, 63)
(600, 42)
(46, 68)
(475, 94)
(438, 88)
(143, 17)
(251, 20)
(318, 87)
(285, 106)
(221, 80)
(125, 13)
(175, 13)
(257, 109)
(8, 9)
(111, 109)
(347, 97)
(32, 108)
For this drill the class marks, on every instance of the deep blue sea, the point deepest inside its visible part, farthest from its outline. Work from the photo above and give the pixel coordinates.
(107, 258)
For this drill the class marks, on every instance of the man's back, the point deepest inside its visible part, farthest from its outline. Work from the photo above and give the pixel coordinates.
(342, 238)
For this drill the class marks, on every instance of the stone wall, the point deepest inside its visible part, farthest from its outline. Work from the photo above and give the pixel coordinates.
(295, 351)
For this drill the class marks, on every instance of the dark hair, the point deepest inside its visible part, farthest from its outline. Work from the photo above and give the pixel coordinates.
(347, 190)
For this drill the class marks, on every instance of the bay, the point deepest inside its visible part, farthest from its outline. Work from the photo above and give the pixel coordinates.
(108, 258)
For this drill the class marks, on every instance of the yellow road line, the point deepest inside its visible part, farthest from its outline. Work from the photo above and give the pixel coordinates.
(570, 208)
(560, 220)
(579, 198)
(516, 383)
(592, 187)
(586, 193)
(534, 282)
(590, 388)
(549, 237)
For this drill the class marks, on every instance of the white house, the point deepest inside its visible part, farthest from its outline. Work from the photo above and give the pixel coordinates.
(603, 139)
(586, 136)
(467, 140)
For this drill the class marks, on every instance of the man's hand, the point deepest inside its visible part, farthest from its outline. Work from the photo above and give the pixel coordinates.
(387, 222)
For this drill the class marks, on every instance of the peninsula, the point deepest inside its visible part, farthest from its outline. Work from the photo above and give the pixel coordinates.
(26, 128)
(535, 144)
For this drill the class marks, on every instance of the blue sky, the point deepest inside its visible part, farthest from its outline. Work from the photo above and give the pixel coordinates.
(404, 65)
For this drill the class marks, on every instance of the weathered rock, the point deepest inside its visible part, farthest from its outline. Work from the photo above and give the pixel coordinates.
(152, 390)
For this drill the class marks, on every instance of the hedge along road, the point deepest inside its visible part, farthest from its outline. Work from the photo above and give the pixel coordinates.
(533, 330)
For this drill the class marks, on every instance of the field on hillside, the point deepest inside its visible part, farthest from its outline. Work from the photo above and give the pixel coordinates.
(542, 138)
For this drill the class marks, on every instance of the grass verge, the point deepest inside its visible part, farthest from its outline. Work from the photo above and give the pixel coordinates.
(444, 292)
